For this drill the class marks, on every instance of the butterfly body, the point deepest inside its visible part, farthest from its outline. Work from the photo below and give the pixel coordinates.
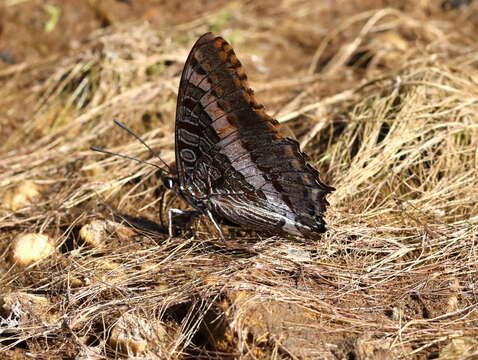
(232, 161)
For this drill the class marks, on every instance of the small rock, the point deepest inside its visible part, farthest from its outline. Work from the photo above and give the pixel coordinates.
(297, 254)
(21, 196)
(453, 301)
(75, 282)
(373, 348)
(29, 248)
(20, 309)
(94, 233)
(135, 335)
(462, 347)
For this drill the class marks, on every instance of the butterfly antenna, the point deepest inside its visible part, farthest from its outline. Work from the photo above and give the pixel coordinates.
(129, 131)
(94, 148)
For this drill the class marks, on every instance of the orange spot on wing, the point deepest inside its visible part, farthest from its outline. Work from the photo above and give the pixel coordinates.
(207, 67)
(223, 127)
(218, 90)
(233, 60)
(224, 105)
(240, 71)
(226, 130)
(233, 119)
(237, 82)
(222, 55)
(218, 43)
(288, 150)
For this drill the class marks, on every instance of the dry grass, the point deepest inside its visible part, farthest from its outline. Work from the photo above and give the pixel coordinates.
(385, 102)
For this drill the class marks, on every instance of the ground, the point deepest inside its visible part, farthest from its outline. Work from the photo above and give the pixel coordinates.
(381, 95)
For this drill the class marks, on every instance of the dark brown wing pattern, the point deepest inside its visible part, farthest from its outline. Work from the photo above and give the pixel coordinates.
(231, 158)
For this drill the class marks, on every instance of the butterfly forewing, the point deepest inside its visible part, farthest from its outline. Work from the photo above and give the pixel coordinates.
(231, 158)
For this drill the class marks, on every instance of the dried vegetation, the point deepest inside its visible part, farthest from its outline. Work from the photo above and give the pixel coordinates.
(384, 100)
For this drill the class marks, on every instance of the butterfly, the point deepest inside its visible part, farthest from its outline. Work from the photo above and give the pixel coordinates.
(232, 162)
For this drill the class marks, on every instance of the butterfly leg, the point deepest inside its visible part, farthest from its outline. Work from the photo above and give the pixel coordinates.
(184, 217)
(216, 225)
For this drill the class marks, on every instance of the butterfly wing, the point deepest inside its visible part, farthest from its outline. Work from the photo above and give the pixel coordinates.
(230, 155)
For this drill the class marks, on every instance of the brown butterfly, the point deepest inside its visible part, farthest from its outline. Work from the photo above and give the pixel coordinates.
(232, 161)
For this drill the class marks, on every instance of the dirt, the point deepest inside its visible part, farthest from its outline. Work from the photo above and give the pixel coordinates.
(393, 283)
(25, 34)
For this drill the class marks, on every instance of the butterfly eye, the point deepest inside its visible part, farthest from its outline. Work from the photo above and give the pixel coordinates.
(169, 182)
